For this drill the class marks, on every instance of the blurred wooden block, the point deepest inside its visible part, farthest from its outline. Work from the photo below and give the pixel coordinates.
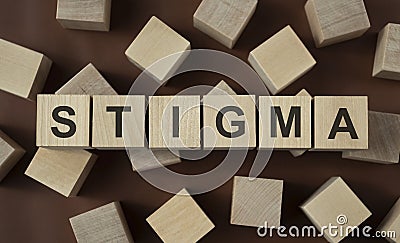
(180, 220)
(23, 72)
(336, 21)
(179, 131)
(391, 223)
(224, 20)
(281, 60)
(63, 121)
(63, 171)
(110, 115)
(84, 15)
(334, 203)
(146, 159)
(255, 202)
(222, 88)
(103, 224)
(384, 140)
(87, 82)
(348, 115)
(10, 154)
(155, 42)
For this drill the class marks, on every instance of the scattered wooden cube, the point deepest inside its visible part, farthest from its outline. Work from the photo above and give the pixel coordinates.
(222, 88)
(391, 223)
(334, 203)
(336, 21)
(147, 159)
(155, 42)
(224, 20)
(281, 60)
(63, 171)
(103, 224)
(180, 220)
(23, 72)
(256, 202)
(84, 15)
(10, 154)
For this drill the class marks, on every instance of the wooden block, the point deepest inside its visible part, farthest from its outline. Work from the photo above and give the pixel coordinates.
(63, 171)
(156, 41)
(111, 113)
(147, 159)
(63, 121)
(222, 88)
(384, 140)
(229, 121)
(336, 21)
(87, 82)
(256, 202)
(103, 224)
(224, 20)
(391, 223)
(281, 60)
(10, 154)
(181, 130)
(23, 72)
(386, 64)
(180, 220)
(84, 15)
(334, 203)
(341, 122)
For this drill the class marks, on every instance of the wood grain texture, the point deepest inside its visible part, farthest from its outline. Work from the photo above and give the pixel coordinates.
(84, 15)
(383, 142)
(63, 171)
(23, 72)
(392, 222)
(336, 21)
(222, 88)
(180, 220)
(333, 199)
(103, 224)
(146, 159)
(257, 201)
(10, 153)
(281, 60)
(224, 20)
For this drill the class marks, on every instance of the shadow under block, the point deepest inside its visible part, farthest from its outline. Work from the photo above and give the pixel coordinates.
(387, 62)
(180, 220)
(63, 121)
(103, 224)
(336, 21)
(146, 159)
(392, 222)
(158, 42)
(63, 171)
(10, 154)
(222, 88)
(224, 20)
(84, 15)
(118, 121)
(383, 142)
(179, 131)
(23, 72)
(281, 60)
(332, 200)
(256, 202)
(87, 82)
(340, 122)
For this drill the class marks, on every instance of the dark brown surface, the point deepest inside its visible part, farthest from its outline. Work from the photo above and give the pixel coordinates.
(29, 212)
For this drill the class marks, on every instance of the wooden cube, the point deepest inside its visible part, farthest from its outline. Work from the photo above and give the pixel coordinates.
(23, 72)
(256, 202)
(224, 20)
(334, 203)
(63, 121)
(391, 223)
(87, 82)
(155, 42)
(103, 224)
(180, 220)
(63, 171)
(341, 122)
(111, 113)
(222, 88)
(84, 15)
(383, 142)
(10, 154)
(175, 122)
(147, 159)
(336, 21)
(281, 60)
(387, 63)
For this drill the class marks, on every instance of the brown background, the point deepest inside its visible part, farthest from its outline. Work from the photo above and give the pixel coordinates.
(29, 212)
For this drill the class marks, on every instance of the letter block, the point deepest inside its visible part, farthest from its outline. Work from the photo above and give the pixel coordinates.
(222, 88)
(10, 154)
(392, 222)
(147, 159)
